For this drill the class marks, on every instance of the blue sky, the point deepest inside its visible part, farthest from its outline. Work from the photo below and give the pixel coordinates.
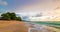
(31, 7)
(14, 4)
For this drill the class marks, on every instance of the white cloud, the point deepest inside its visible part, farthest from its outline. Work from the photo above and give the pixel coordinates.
(57, 8)
(45, 18)
(3, 2)
(45, 7)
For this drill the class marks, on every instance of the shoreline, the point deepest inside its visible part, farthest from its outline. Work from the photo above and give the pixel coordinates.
(21, 26)
(37, 26)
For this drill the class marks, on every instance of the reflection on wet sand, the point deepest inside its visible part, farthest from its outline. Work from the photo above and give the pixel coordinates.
(40, 28)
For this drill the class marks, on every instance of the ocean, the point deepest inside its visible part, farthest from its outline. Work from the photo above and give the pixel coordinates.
(47, 25)
(55, 24)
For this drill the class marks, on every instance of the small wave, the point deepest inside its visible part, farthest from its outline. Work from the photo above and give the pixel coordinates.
(38, 27)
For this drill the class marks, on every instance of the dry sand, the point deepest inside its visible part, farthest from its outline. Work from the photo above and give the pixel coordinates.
(12, 26)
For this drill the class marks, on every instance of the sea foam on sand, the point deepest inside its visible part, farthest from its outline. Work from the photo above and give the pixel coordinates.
(32, 27)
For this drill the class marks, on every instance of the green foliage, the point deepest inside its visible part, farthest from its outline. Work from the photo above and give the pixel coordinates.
(18, 18)
(5, 16)
(10, 16)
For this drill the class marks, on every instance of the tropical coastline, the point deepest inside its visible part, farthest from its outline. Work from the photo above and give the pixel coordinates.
(47, 27)
(21, 26)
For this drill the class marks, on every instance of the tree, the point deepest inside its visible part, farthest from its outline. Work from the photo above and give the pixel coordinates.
(5, 16)
(10, 16)
(18, 18)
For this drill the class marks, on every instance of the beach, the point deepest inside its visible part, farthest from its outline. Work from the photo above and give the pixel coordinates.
(20, 26)
(40, 28)
(12, 26)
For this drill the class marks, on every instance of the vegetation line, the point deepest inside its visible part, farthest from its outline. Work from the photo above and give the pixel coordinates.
(9, 16)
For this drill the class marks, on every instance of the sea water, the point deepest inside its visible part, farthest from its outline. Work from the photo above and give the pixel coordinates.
(53, 24)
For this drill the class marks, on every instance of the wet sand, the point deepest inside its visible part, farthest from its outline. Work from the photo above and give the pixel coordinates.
(41, 28)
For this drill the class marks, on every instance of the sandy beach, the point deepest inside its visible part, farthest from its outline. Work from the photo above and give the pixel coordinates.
(20, 26)
(12, 26)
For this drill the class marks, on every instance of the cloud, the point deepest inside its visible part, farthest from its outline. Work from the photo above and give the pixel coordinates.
(57, 8)
(45, 18)
(3, 2)
(46, 7)
(56, 0)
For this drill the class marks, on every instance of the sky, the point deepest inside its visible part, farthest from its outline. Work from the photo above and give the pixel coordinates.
(43, 8)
